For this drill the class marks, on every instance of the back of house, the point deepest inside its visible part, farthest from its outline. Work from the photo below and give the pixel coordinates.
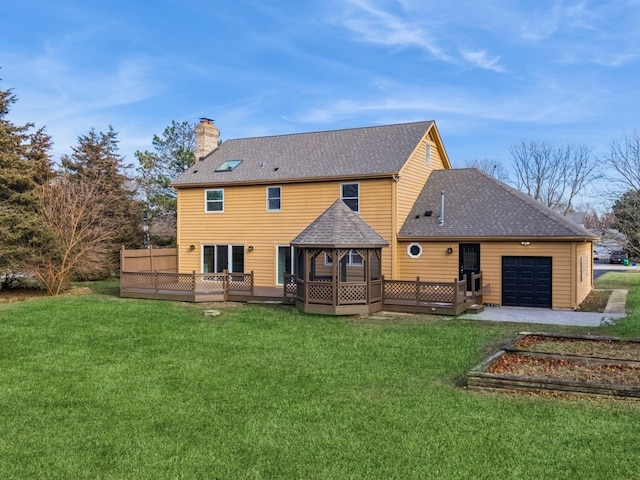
(240, 205)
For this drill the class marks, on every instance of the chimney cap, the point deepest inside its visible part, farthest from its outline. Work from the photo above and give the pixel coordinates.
(206, 120)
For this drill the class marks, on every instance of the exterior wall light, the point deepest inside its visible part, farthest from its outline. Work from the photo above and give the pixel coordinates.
(525, 244)
(250, 248)
(192, 247)
(449, 251)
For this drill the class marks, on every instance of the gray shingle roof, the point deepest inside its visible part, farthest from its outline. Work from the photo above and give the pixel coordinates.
(381, 150)
(339, 226)
(477, 205)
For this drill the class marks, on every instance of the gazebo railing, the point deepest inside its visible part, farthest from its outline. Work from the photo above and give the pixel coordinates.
(399, 292)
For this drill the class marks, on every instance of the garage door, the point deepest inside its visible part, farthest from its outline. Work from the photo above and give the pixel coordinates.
(526, 282)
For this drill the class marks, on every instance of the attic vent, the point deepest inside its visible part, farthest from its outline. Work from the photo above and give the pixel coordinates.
(228, 165)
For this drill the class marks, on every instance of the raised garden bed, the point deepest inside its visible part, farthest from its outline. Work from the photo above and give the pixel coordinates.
(573, 364)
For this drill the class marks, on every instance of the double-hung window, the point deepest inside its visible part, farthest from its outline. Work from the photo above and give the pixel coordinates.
(350, 194)
(214, 200)
(274, 199)
(352, 259)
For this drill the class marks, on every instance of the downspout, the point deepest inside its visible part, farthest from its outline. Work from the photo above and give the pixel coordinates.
(395, 229)
(442, 208)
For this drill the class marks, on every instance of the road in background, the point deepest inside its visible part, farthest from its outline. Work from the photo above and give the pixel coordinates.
(601, 267)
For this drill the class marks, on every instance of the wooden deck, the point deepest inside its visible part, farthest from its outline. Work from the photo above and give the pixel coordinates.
(411, 296)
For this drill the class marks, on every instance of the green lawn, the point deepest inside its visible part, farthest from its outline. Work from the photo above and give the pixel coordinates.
(94, 386)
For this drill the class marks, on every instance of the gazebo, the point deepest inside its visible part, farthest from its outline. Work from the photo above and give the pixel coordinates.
(338, 264)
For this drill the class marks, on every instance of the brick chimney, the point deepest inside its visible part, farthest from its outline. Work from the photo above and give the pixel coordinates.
(207, 137)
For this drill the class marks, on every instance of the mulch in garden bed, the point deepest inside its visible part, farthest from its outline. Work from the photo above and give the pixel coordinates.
(576, 364)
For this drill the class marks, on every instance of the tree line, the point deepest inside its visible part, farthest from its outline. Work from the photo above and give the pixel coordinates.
(67, 221)
(557, 174)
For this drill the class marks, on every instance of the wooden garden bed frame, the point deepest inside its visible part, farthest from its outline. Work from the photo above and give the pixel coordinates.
(480, 379)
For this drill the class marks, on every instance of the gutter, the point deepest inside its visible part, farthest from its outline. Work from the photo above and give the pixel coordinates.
(273, 181)
(416, 238)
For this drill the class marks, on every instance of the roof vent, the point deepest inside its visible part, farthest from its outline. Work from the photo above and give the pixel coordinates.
(428, 213)
(276, 169)
(417, 216)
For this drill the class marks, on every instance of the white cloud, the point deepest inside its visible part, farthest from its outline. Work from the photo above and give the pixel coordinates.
(377, 26)
(403, 24)
(534, 107)
(481, 59)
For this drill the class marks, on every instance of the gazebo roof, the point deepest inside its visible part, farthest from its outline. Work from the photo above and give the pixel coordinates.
(339, 227)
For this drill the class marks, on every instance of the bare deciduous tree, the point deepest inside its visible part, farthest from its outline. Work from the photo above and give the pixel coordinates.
(491, 167)
(554, 174)
(624, 159)
(80, 231)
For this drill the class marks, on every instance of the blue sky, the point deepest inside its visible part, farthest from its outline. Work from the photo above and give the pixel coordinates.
(490, 73)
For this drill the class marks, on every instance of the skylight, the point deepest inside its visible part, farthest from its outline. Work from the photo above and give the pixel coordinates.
(228, 165)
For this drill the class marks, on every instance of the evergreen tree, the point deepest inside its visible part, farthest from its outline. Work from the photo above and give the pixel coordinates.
(24, 165)
(173, 154)
(95, 159)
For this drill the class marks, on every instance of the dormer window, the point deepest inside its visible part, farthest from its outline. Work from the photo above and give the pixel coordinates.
(228, 165)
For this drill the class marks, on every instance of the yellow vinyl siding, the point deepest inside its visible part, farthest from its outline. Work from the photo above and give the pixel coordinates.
(245, 221)
(491, 254)
(436, 265)
(414, 175)
(584, 254)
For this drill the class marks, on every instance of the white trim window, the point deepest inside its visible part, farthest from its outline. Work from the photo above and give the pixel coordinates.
(353, 259)
(350, 194)
(214, 200)
(218, 258)
(274, 199)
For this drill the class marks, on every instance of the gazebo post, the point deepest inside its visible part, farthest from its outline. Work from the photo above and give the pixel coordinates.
(335, 272)
(367, 275)
(307, 275)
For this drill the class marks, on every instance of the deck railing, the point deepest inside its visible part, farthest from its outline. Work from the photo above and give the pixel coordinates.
(192, 287)
(412, 295)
